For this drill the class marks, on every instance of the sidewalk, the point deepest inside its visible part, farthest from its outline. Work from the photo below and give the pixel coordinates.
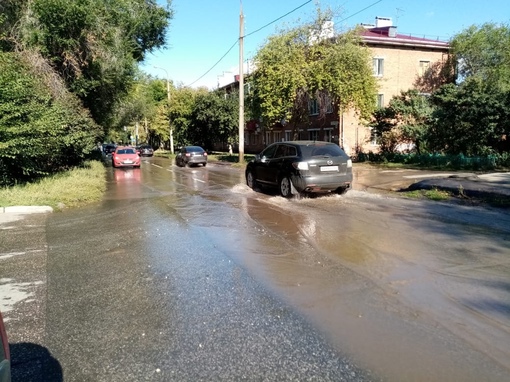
(477, 186)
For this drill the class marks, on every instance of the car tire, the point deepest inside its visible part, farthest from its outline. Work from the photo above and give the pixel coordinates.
(250, 180)
(205, 164)
(341, 190)
(285, 187)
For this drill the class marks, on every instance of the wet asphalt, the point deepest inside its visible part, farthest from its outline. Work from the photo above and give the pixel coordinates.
(155, 283)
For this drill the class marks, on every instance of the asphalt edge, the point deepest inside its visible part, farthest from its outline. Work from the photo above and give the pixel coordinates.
(26, 209)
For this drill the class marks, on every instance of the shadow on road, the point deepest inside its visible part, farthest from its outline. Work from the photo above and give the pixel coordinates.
(34, 363)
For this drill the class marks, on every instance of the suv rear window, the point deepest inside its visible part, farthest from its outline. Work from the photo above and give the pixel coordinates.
(326, 151)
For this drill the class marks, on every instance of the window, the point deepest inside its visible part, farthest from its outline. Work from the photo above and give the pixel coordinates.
(313, 107)
(269, 152)
(313, 135)
(378, 66)
(380, 100)
(277, 136)
(328, 135)
(424, 66)
(374, 138)
(288, 135)
(268, 137)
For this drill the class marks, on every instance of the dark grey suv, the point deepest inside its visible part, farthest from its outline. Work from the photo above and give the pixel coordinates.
(301, 167)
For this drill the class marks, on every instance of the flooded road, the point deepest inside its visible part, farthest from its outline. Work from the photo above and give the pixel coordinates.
(187, 274)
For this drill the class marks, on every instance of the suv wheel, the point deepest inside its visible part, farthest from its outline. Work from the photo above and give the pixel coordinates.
(250, 180)
(285, 187)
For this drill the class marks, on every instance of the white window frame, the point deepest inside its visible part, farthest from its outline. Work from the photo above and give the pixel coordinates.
(378, 66)
(424, 65)
(288, 135)
(380, 100)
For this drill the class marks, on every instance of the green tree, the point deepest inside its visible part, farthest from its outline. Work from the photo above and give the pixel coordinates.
(214, 119)
(472, 117)
(403, 122)
(483, 53)
(39, 133)
(296, 66)
(181, 113)
(469, 119)
(94, 45)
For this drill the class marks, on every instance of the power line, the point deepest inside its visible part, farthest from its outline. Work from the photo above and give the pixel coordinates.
(217, 62)
(249, 34)
(279, 18)
(268, 24)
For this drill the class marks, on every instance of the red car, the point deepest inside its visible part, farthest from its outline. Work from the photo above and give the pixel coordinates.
(125, 156)
(5, 357)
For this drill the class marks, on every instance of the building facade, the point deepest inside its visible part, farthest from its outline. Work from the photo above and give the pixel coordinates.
(400, 63)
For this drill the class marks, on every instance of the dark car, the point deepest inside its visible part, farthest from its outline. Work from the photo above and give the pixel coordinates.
(125, 156)
(301, 167)
(191, 156)
(5, 358)
(145, 150)
(109, 148)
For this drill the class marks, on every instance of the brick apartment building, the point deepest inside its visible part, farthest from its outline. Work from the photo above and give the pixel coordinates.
(399, 62)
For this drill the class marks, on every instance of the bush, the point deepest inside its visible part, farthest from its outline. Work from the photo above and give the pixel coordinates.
(440, 161)
(40, 134)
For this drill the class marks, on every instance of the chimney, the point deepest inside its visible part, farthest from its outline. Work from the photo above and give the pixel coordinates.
(381, 22)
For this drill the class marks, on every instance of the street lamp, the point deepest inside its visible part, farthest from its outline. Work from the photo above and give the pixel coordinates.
(169, 121)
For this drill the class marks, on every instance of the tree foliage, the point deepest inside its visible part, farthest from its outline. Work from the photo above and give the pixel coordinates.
(39, 134)
(296, 66)
(403, 122)
(483, 53)
(470, 119)
(214, 119)
(94, 45)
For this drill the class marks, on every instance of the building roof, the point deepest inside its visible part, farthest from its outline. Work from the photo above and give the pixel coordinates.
(388, 35)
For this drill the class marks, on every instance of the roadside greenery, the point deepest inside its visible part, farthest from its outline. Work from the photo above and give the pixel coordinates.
(60, 191)
(305, 65)
(40, 133)
(464, 125)
(440, 161)
(65, 68)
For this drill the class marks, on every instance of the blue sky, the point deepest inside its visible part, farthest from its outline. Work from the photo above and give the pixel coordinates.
(203, 31)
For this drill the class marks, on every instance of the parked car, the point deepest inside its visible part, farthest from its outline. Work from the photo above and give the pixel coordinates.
(145, 150)
(5, 357)
(301, 167)
(125, 156)
(191, 156)
(109, 148)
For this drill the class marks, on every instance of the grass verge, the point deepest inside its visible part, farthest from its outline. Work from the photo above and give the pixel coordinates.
(433, 194)
(72, 188)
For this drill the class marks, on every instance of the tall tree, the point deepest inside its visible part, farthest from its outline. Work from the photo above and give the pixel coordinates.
(214, 119)
(470, 119)
(95, 44)
(483, 53)
(403, 122)
(309, 63)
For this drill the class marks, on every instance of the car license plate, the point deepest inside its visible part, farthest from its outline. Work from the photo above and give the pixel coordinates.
(329, 168)
(128, 161)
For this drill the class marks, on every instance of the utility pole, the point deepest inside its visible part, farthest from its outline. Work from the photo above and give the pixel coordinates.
(168, 100)
(241, 87)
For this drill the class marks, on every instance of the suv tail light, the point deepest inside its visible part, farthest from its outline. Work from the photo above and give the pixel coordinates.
(349, 163)
(300, 165)
(5, 342)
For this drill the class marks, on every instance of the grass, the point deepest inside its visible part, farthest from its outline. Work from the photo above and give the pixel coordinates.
(73, 188)
(433, 194)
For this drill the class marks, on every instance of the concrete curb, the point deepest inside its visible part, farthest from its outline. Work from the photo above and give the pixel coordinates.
(26, 209)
